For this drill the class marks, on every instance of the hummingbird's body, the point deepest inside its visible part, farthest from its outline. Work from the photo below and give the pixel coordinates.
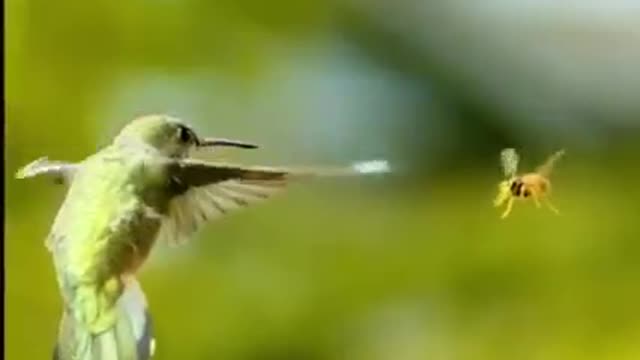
(102, 234)
(112, 211)
(104, 230)
(140, 188)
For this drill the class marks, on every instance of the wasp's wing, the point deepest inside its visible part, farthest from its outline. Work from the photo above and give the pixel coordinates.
(546, 168)
(509, 159)
(205, 191)
(61, 172)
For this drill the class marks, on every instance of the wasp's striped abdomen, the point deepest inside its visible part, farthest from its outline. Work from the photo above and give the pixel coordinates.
(518, 188)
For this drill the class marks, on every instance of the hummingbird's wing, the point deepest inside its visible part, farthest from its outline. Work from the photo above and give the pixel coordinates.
(61, 172)
(205, 191)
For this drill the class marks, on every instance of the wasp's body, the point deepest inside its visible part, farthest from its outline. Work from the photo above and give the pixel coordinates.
(534, 185)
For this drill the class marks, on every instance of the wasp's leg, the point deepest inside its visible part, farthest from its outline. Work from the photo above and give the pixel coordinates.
(536, 199)
(550, 206)
(503, 194)
(507, 211)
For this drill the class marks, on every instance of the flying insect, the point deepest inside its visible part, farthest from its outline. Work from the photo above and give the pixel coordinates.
(534, 185)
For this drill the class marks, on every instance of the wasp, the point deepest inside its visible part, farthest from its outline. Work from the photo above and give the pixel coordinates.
(534, 185)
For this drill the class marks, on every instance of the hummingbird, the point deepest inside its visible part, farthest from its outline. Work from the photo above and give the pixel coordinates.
(142, 188)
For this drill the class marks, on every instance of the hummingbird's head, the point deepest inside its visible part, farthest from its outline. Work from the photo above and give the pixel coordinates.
(170, 135)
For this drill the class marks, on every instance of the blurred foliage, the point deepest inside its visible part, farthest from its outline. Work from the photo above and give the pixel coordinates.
(416, 265)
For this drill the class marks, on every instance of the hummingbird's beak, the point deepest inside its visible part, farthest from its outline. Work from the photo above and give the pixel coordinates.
(211, 142)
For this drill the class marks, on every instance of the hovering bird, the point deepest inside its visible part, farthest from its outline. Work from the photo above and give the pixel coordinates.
(533, 185)
(140, 189)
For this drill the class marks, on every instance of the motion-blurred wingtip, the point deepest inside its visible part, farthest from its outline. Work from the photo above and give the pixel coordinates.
(372, 167)
(27, 170)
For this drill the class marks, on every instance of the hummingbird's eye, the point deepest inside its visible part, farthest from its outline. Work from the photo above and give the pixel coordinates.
(185, 134)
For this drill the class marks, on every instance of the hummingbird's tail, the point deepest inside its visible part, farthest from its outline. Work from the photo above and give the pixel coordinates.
(129, 339)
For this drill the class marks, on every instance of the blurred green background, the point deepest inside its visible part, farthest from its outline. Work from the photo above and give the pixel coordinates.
(416, 265)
